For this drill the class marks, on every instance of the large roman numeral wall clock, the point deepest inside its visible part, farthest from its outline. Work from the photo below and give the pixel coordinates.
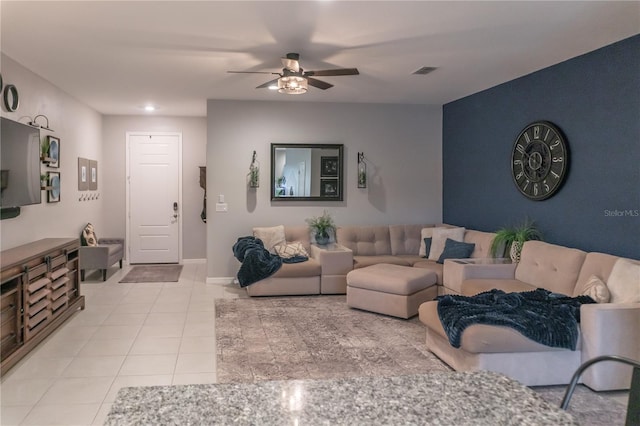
(539, 160)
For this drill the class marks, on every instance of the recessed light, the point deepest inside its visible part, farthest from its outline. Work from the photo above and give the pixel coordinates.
(149, 108)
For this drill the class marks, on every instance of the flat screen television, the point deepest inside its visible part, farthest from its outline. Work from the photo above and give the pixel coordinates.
(19, 164)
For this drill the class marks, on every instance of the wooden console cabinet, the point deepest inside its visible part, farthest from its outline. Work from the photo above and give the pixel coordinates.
(40, 289)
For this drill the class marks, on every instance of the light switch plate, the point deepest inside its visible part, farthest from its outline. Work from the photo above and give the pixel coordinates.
(221, 207)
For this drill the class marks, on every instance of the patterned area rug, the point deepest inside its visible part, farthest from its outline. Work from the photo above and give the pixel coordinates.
(153, 274)
(319, 337)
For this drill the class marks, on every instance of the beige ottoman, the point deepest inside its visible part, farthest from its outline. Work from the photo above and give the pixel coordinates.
(390, 289)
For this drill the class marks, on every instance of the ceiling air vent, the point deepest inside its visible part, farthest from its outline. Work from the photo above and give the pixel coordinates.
(425, 70)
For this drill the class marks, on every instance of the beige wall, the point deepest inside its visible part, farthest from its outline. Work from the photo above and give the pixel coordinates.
(402, 144)
(193, 131)
(79, 129)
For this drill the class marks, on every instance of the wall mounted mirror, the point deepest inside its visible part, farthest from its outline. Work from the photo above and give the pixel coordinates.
(307, 172)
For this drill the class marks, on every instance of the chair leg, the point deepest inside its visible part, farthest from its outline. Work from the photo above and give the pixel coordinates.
(81, 274)
(633, 407)
(120, 263)
(104, 275)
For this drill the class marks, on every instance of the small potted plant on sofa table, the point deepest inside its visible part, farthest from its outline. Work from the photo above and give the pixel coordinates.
(510, 239)
(321, 227)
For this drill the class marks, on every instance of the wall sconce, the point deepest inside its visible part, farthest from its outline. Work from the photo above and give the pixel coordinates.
(362, 171)
(35, 123)
(254, 172)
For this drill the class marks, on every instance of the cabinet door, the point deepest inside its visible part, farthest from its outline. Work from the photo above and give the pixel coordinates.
(37, 303)
(10, 318)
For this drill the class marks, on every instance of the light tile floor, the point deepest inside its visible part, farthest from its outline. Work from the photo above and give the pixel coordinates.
(130, 334)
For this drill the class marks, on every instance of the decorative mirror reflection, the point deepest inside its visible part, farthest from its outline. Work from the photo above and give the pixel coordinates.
(307, 172)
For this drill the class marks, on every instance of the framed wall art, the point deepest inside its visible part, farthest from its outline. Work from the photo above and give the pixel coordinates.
(53, 194)
(329, 188)
(54, 151)
(329, 167)
(93, 175)
(83, 174)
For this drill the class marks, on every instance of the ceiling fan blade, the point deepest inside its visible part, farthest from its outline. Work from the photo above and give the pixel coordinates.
(318, 83)
(339, 71)
(251, 72)
(268, 83)
(291, 64)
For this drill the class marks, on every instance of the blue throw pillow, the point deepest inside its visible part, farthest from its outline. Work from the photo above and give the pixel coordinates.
(427, 246)
(456, 250)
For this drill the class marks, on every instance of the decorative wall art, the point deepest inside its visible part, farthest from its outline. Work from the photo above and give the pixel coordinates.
(83, 174)
(54, 151)
(93, 175)
(53, 194)
(329, 166)
(328, 187)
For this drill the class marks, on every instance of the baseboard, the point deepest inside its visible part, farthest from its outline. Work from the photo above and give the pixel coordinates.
(220, 280)
(191, 261)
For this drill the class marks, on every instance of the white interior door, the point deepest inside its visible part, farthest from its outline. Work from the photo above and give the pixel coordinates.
(154, 199)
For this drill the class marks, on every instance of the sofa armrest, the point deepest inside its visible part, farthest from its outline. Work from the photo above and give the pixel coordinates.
(609, 329)
(455, 271)
(334, 259)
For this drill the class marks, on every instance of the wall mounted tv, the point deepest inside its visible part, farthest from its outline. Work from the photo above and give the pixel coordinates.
(19, 164)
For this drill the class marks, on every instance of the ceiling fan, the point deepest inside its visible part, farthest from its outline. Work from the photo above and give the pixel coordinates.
(294, 80)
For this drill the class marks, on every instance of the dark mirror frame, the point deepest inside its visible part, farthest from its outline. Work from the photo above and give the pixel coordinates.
(340, 176)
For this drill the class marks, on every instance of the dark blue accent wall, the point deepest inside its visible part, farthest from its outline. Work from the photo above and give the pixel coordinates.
(595, 100)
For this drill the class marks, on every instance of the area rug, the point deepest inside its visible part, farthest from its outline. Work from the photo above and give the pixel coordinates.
(319, 337)
(153, 274)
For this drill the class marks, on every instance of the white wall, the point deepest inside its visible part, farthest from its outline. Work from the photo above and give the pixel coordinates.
(193, 131)
(401, 143)
(79, 129)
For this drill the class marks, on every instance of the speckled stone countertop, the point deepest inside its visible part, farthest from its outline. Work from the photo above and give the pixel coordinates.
(439, 398)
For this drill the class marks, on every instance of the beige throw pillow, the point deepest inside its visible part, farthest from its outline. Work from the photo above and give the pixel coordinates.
(287, 251)
(270, 236)
(424, 233)
(439, 238)
(624, 281)
(596, 289)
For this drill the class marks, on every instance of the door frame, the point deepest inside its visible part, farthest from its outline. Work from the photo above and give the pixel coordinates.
(128, 182)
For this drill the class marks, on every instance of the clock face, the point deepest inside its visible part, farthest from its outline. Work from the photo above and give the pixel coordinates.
(539, 160)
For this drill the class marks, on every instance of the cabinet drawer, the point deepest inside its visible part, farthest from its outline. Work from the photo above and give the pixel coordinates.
(37, 285)
(58, 260)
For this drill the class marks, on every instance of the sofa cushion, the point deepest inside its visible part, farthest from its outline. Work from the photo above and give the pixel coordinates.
(425, 233)
(309, 268)
(364, 261)
(270, 236)
(596, 289)
(289, 250)
(550, 266)
(365, 240)
(482, 338)
(392, 279)
(299, 233)
(479, 285)
(431, 266)
(624, 281)
(439, 237)
(598, 264)
(482, 241)
(410, 259)
(405, 239)
(456, 250)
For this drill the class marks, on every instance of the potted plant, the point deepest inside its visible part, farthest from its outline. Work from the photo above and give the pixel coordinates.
(44, 149)
(510, 239)
(321, 227)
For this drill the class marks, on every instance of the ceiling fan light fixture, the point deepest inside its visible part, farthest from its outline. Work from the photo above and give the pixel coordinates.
(292, 85)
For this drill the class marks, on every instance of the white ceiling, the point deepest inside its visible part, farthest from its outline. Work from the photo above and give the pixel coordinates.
(118, 56)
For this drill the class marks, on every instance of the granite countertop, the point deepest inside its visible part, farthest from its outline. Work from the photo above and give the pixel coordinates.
(439, 398)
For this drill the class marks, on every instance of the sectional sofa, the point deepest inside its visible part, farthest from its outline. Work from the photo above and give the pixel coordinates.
(605, 328)
(357, 247)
